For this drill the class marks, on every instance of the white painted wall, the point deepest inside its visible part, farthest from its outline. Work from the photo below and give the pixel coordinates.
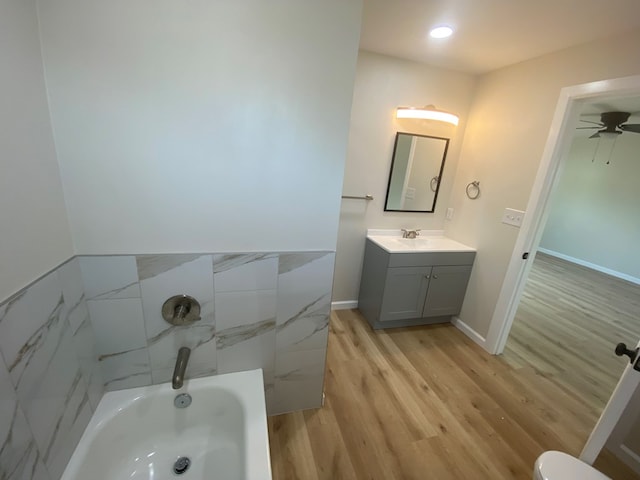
(507, 129)
(201, 126)
(382, 84)
(35, 229)
(594, 215)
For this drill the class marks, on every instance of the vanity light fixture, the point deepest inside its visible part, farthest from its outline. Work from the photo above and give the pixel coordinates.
(441, 31)
(427, 113)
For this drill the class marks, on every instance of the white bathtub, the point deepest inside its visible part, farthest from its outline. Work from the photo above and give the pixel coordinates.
(139, 434)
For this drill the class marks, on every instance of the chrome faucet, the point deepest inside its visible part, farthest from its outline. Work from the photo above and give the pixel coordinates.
(410, 233)
(180, 368)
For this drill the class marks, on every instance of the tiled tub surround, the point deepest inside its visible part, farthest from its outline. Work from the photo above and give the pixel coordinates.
(94, 324)
(50, 380)
(259, 310)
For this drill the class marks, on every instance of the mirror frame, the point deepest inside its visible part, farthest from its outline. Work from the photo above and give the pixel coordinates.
(439, 176)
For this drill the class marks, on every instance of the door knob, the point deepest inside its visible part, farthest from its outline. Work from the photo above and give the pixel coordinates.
(621, 349)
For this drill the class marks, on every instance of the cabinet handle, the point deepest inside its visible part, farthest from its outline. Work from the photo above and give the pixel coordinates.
(435, 277)
(427, 277)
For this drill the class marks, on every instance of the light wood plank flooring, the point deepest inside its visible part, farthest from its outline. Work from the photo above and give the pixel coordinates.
(427, 403)
(568, 322)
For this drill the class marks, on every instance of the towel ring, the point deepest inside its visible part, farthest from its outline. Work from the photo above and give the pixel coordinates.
(434, 183)
(473, 190)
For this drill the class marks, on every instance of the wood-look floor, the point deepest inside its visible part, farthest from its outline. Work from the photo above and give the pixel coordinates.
(569, 321)
(427, 403)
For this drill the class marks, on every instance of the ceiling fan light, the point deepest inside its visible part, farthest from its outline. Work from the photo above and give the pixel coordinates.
(427, 113)
(610, 135)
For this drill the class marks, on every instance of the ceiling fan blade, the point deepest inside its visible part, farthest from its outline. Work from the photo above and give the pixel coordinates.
(631, 127)
(595, 123)
(585, 128)
(595, 135)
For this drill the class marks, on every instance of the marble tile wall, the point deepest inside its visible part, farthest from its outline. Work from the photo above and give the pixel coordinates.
(50, 379)
(95, 324)
(259, 310)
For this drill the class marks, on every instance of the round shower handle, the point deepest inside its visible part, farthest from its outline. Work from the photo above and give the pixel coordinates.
(181, 310)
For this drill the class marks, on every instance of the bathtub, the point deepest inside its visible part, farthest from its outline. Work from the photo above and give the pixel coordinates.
(140, 434)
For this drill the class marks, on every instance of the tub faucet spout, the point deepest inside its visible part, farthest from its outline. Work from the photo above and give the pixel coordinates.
(180, 368)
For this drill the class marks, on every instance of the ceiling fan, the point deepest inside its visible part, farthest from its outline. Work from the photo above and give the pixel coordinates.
(613, 123)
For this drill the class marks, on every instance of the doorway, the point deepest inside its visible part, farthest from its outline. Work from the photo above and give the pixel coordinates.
(566, 119)
(572, 102)
(582, 294)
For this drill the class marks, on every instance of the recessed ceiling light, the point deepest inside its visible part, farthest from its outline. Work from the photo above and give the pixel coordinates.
(443, 31)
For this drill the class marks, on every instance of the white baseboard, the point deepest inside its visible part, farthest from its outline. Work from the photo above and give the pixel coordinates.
(470, 332)
(592, 266)
(345, 305)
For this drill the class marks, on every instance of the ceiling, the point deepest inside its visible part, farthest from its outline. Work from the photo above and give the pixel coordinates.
(490, 34)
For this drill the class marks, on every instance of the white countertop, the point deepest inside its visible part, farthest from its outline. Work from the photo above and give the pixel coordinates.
(394, 243)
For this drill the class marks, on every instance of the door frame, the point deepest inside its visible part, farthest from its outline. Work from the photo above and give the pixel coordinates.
(558, 143)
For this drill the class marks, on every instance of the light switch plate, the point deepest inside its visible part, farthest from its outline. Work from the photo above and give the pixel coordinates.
(449, 215)
(513, 217)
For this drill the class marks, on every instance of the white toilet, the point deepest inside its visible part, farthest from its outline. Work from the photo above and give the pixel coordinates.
(554, 465)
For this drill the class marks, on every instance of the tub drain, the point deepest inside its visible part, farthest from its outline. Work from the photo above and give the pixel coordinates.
(181, 465)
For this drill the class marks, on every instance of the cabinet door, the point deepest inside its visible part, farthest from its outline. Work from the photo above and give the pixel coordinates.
(446, 290)
(404, 292)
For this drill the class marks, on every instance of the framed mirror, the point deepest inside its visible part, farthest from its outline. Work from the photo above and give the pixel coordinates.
(416, 173)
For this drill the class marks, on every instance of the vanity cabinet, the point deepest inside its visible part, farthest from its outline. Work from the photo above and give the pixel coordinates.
(402, 289)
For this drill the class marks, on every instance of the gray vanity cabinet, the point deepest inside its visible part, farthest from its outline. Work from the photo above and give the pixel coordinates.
(447, 287)
(404, 292)
(402, 289)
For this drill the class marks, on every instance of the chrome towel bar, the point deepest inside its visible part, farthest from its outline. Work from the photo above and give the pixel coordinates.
(366, 197)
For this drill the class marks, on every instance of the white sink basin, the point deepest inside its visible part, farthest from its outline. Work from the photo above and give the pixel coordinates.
(394, 244)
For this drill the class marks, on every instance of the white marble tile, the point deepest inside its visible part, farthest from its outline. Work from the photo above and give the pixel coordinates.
(202, 370)
(69, 429)
(235, 309)
(245, 272)
(95, 387)
(162, 375)
(163, 276)
(153, 265)
(30, 321)
(307, 272)
(307, 329)
(163, 349)
(299, 380)
(53, 400)
(304, 300)
(18, 451)
(70, 277)
(270, 398)
(126, 369)
(290, 262)
(38, 472)
(45, 371)
(118, 324)
(84, 342)
(256, 351)
(246, 331)
(110, 276)
(130, 381)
